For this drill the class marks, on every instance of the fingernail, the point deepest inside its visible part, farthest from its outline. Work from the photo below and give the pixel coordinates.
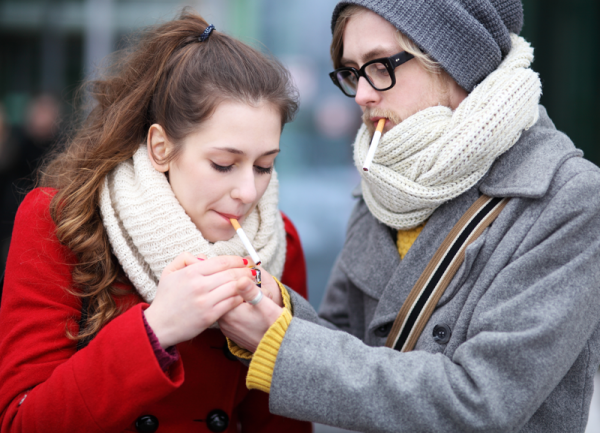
(245, 261)
(254, 272)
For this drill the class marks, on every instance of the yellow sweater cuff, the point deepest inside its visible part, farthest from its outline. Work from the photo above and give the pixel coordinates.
(260, 372)
(287, 302)
(242, 353)
(238, 351)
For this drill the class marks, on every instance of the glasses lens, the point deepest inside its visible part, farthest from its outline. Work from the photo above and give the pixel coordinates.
(378, 75)
(347, 81)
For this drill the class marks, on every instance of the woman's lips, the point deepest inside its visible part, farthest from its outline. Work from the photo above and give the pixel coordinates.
(228, 216)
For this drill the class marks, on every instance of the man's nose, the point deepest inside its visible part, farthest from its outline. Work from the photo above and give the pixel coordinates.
(366, 95)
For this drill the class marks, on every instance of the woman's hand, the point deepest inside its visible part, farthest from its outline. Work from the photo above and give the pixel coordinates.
(193, 294)
(247, 324)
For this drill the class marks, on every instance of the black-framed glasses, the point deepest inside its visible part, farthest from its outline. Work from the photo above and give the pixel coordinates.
(379, 73)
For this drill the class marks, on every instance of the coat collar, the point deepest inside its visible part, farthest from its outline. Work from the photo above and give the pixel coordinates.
(527, 168)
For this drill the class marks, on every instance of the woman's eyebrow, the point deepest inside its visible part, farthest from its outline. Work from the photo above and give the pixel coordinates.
(241, 152)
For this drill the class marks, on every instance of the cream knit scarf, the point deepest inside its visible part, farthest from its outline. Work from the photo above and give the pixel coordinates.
(147, 227)
(437, 154)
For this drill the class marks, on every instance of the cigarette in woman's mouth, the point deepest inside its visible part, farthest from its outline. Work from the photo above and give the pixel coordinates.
(240, 231)
(374, 144)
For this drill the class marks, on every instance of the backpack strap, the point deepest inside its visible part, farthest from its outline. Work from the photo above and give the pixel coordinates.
(427, 291)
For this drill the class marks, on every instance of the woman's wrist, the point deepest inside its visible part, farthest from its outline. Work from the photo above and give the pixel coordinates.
(164, 337)
(165, 356)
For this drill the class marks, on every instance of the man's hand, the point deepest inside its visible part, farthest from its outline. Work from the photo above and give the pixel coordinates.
(269, 287)
(247, 324)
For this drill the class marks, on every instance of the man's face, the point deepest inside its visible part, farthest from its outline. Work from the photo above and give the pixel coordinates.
(368, 36)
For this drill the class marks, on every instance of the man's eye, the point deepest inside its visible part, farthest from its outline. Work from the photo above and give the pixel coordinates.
(382, 70)
(221, 168)
(263, 170)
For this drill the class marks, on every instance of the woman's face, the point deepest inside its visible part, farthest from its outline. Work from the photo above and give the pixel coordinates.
(224, 167)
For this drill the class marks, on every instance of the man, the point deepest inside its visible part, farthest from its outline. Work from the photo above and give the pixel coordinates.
(514, 340)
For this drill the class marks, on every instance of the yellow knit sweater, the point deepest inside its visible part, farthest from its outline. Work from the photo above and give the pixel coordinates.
(261, 368)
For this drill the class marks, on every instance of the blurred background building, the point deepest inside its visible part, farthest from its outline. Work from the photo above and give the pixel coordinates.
(47, 47)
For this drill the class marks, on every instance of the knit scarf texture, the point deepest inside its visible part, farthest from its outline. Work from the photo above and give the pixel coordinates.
(437, 154)
(147, 227)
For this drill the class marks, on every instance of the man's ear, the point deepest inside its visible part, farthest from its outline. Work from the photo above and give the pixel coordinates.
(159, 147)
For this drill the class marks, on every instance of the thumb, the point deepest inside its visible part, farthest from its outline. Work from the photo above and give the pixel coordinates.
(248, 290)
(269, 311)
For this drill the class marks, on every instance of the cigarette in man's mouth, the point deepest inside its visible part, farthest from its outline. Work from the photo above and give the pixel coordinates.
(240, 231)
(374, 144)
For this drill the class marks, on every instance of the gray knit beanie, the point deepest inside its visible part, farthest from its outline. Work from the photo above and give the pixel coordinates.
(469, 38)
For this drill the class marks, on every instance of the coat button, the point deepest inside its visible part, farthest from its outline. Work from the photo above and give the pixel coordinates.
(146, 424)
(217, 420)
(441, 333)
(384, 330)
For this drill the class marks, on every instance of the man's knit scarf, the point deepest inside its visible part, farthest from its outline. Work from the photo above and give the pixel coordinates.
(437, 154)
(147, 227)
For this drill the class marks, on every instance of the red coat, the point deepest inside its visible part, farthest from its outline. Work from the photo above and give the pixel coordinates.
(108, 385)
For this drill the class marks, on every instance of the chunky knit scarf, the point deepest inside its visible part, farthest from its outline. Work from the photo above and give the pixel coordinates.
(437, 154)
(147, 227)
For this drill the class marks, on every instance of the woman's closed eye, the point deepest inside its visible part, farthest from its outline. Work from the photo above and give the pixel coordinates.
(263, 170)
(221, 168)
(227, 168)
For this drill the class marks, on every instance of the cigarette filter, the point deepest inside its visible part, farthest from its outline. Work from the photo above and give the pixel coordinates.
(240, 231)
(374, 144)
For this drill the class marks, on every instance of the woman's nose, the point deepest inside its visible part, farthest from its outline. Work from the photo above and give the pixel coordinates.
(366, 95)
(245, 189)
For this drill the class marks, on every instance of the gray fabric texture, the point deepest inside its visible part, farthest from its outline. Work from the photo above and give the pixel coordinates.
(523, 310)
(469, 38)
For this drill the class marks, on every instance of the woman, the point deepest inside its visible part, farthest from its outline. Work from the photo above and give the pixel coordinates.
(122, 263)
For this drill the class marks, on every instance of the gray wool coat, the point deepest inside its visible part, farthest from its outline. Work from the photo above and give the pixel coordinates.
(523, 312)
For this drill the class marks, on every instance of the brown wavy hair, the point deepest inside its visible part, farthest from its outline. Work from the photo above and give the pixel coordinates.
(167, 77)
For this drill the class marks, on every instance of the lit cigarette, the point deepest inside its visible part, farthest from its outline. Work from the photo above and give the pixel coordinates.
(240, 231)
(374, 144)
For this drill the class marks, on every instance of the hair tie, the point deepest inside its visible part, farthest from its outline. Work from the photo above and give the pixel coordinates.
(206, 33)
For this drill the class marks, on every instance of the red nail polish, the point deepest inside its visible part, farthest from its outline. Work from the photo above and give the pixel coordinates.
(254, 272)
(245, 261)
